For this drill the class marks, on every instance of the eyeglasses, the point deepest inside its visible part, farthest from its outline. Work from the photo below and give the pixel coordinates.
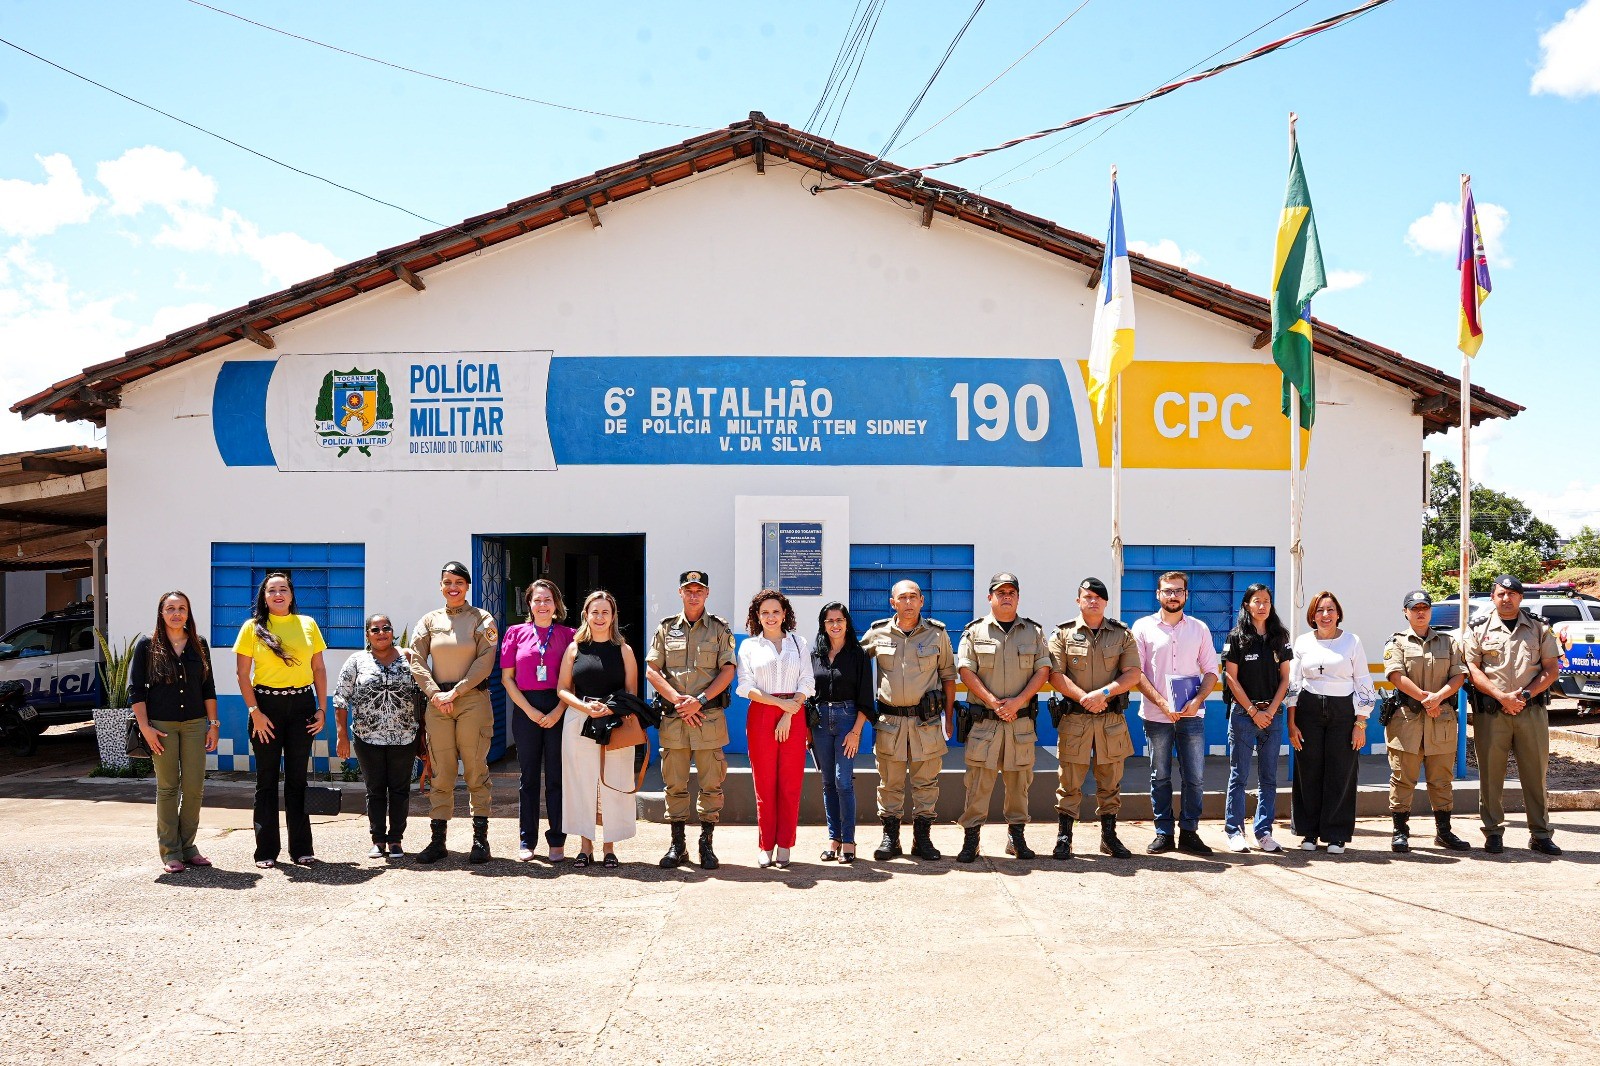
(380, 629)
(1172, 592)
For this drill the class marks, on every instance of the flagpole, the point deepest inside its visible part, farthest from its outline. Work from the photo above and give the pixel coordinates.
(1116, 472)
(1296, 594)
(1465, 509)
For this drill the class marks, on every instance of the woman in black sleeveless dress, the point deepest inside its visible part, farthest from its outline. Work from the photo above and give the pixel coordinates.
(596, 665)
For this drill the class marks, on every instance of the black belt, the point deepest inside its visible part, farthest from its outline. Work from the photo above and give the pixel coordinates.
(983, 714)
(897, 712)
(446, 686)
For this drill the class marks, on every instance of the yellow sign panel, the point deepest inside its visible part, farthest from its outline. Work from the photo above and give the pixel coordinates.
(1200, 416)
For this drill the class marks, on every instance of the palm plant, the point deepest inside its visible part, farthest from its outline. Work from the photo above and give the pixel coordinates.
(115, 663)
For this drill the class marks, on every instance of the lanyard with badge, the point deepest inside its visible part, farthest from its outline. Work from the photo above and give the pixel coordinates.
(541, 645)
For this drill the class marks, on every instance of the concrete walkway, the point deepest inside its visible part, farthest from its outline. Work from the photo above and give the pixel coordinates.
(1427, 957)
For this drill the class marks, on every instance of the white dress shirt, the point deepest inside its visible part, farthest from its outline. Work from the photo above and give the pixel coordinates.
(773, 670)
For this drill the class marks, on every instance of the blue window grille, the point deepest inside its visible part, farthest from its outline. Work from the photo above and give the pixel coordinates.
(943, 571)
(1217, 580)
(329, 585)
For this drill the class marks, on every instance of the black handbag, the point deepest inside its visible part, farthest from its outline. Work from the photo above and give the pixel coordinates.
(135, 744)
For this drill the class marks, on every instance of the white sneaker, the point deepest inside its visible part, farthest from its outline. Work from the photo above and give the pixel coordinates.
(524, 854)
(1237, 844)
(1308, 844)
(1335, 849)
(763, 858)
(1267, 844)
(780, 858)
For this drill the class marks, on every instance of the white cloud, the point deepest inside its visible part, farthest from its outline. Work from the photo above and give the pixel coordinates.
(1166, 250)
(34, 209)
(1340, 280)
(49, 331)
(1439, 231)
(1569, 510)
(151, 175)
(1570, 63)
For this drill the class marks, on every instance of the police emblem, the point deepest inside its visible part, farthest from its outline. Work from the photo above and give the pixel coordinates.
(354, 410)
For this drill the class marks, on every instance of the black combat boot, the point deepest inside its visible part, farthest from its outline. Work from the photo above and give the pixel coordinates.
(889, 847)
(969, 845)
(1109, 844)
(1443, 837)
(1063, 837)
(435, 849)
(678, 851)
(922, 840)
(480, 841)
(708, 858)
(1401, 841)
(1017, 842)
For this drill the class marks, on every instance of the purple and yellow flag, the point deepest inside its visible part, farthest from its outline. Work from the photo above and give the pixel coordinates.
(1474, 267)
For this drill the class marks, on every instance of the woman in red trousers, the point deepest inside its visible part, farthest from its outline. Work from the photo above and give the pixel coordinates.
(775, 676)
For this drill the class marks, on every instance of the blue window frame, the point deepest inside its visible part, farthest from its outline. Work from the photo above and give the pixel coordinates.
(1217, 580)
(943, 571)
(329, 585)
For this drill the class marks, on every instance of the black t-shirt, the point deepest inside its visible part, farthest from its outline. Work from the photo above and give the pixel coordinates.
(1260, 664)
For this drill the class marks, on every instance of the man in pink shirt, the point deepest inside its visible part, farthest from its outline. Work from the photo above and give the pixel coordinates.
(1179, 670)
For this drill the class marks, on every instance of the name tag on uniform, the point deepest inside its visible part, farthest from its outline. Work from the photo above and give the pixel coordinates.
(544, 672)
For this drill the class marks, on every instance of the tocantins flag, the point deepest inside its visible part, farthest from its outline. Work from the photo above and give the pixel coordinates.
(1297, 276)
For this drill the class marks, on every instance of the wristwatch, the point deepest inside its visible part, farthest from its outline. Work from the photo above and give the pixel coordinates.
(702, 698)
(1525, 695)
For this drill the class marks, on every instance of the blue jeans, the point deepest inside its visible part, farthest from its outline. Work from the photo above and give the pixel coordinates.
(838, 772)
(1245, 741)
(1189, 735)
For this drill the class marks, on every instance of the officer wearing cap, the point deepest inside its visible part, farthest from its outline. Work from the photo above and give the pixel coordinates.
(1003, 662)
(1419, 721)
(691, 665)
(1512, 658)
(916, 699)
(1094, 663)
(454, 650)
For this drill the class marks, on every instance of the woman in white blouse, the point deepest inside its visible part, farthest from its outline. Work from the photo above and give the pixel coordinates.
(1330, 696)
(775, 676)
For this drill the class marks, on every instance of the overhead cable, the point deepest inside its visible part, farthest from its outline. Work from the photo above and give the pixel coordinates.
(448, 81)
(916, 103)
(226, 140)
(1257, 53)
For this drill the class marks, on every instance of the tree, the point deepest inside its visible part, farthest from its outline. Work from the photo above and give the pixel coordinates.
(1506, 557)
(1495, 514)
(1583, 549)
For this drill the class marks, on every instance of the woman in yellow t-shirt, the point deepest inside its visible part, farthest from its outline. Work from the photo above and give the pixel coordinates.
(281, 676)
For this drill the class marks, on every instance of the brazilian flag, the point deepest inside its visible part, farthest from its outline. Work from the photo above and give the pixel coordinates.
(1297, 276)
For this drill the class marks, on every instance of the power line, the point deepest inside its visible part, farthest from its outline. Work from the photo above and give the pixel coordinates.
(1266, 49)
(990, 84)
(859, 41)
(441, 78)
(226, 140)
(833, 74)
(1107, 129)
(916, 103)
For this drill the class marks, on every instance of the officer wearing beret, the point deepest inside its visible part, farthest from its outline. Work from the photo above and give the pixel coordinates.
(1426, 670)
(916, 667)
(1094, 663)
(690, 665)
(1512, 658)
(1003, 662)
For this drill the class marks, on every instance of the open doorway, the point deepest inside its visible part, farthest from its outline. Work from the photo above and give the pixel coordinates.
(504, 564)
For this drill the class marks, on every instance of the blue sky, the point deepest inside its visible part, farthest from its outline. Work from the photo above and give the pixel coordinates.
(118, 225)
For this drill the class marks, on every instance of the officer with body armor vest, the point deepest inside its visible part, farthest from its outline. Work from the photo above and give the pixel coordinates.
(915, 701)
(1003, 662)
(690, 665)
(1094, 663)
(1419, 720)
(1513, 658)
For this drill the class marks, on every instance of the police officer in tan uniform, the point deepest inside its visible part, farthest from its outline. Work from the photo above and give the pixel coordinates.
(454, 650)
(916, 702)
(1419, 723)
(691, 666)
(1094, 663)
(1003, 662)
(1513, 658)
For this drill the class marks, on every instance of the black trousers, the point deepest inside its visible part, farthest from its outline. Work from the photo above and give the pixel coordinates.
(386, 768)
(539, 758)
(1324, 804)
(290, 743)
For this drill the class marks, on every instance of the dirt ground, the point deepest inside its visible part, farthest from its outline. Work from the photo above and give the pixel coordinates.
(1573, 765)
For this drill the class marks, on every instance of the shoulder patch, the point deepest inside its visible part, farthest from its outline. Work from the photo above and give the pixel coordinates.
(970, 624)
(882, 623)
(668, 620)
(1119, 623)
(934, 622)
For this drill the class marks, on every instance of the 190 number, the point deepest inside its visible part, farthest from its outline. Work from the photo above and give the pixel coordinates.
(995, 411)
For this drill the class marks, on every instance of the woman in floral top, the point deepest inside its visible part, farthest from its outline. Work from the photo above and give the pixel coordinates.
(376, 703)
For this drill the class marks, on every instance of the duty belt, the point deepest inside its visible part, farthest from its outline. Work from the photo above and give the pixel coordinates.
(898, 712)
(983, 714)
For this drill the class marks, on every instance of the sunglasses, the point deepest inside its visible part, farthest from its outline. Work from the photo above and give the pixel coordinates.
(380, 629)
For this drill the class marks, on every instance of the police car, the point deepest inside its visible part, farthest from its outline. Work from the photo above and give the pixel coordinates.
(58, 658)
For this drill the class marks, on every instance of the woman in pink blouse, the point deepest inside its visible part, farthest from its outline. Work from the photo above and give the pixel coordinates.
(774, 674)
(530, 667)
